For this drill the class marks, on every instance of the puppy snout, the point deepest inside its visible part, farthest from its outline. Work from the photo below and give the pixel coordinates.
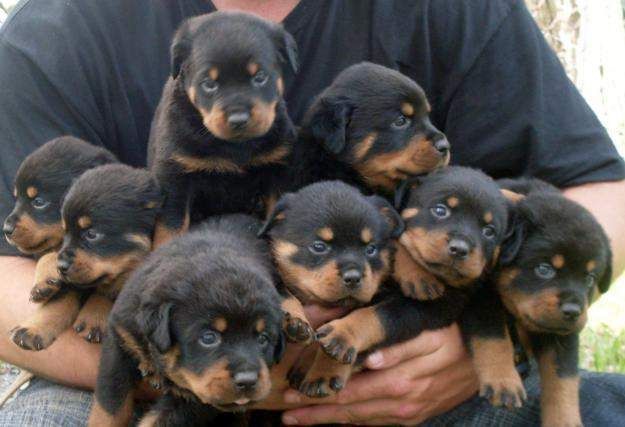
(64, 261)
(352, 278)
(245, 381)
(441, 144)
(9, 225)
(459, 248)
(571, 311)
(238, 119)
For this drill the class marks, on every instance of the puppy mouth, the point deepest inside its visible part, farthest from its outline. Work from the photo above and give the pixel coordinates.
(440, 269)
(30, 249)
(308, 297)
(559, 330)
(92, 284)
(239, 405)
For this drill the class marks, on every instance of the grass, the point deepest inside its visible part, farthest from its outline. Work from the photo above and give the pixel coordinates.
(603, 340)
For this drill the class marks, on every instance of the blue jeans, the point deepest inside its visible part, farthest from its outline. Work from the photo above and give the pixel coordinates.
(602, 398)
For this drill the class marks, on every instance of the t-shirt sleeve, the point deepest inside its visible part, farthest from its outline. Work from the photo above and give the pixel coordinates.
(45, 93)
(517, 113)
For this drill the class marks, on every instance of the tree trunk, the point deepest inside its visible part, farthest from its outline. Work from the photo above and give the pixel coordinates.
(589, 38)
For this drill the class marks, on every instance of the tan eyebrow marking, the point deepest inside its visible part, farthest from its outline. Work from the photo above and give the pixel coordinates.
(84, 222)
(220, 324)
(260, 325)
(31, 192)
(14, 191)
(213, 73)
(325, 233)
(366, 235)
(452, 202)
(252, 68)
(409, 213)
(591, 265)
(488, 217)
(407, 109)
(557, 261)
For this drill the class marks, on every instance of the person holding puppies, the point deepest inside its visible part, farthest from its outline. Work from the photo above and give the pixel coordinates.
(492, 82)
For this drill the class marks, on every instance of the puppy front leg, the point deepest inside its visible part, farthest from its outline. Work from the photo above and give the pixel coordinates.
(414, 281)
(170, 411)
(47, 279)
(174, 216)
(91, 321)
(117, 379)
(559, 379)
(295, 324)
(486, 335)
(52, 318)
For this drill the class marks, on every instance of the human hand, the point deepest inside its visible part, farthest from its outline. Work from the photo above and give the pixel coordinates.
(407, 384)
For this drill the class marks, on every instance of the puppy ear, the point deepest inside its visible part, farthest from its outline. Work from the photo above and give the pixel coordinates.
(154, 322)
(514, 237)
(180, 48)
(276, 214)
(329, 121)
(402, 189)
(287, 48)
(393, 218)
(606, 279)
(278, 352)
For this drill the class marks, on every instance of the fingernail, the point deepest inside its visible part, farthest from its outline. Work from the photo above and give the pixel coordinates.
(292, 397)
(289, 420)
(375, 360)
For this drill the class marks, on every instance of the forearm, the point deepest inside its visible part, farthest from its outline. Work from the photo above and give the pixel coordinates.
(606, 201)
(69, 360)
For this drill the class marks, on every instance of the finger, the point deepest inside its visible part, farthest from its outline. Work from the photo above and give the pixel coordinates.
(318, 315)
(361, 387)
(356, 413)
(426, 343)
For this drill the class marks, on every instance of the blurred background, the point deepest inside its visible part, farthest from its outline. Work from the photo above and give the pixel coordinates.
(589, 38)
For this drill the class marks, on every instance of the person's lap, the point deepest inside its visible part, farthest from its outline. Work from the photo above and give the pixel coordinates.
(602, 399)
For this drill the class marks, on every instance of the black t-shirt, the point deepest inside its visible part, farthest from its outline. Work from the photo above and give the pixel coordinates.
(95, 69)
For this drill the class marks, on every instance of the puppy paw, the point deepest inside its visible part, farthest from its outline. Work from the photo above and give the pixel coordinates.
(324, 378)
(91, 321)
(507, 391)
(297, 330)
(32, 338)
(337, 343)
(43, 291)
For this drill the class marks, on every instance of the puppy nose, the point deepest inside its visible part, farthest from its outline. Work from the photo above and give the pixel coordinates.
(442, 145)
(238, 120)
(458, 248)
(352, 278)
(245, 381)
(64, 262)
(9, 226)
(571, 311)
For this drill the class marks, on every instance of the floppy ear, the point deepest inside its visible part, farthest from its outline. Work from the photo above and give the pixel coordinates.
(391, 215)
(329, 122)
(276, 214)
(180, 48)
(287, 48)
(154, 322)
(514, 237)
(278, 352)
(606, 279)
(402, 189)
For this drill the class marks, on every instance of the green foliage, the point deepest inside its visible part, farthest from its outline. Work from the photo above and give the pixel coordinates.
(603, 349)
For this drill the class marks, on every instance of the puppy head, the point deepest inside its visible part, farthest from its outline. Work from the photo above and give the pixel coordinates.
(108, 216)
(230, 66)
(332, 245)
(556, 261)
(215, 326)
(456, 220)
(43, 178)
(377, 120)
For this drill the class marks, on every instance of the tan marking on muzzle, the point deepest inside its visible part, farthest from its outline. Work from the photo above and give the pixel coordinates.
(215, 164)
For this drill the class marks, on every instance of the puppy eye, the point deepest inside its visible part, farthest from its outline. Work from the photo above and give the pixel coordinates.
(591, 279)
(39, 203)
(260, 78)
(545, 271)
(371, 250)
(440, 211)
(401, 122)
(263, 339)
(91, 235)
(209, 339)
(489, 231)
(319, 248)
(209, 85)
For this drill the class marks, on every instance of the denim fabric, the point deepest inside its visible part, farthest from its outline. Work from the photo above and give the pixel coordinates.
(602, 398)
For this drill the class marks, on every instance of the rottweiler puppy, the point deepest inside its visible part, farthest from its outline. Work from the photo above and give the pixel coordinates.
(332, 246)
(371, 129)
(201, 317)
(108, 217)
(556, 261)
(34, 225)
(221, 136)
